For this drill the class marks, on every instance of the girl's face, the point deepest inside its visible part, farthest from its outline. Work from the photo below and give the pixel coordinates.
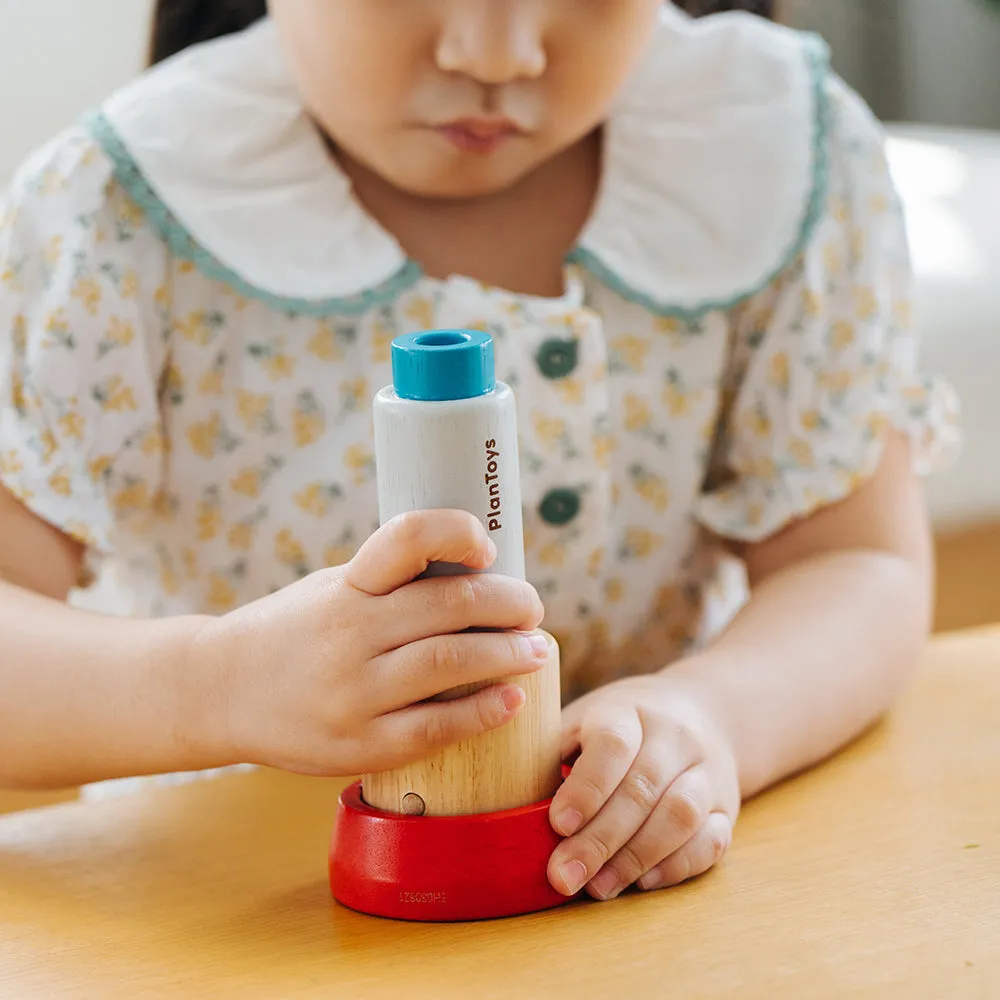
(460, 98)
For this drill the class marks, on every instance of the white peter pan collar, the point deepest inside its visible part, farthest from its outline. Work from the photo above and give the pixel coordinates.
(714, 168)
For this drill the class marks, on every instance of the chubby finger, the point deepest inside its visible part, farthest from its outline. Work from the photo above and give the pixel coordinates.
(446, 604)
(421, 730)
(610, 741)
(403, 548)
(678, 815)
(423, 669)
(610, 833)
(702, 852)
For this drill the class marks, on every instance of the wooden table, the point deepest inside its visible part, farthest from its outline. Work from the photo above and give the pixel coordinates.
(877, 875)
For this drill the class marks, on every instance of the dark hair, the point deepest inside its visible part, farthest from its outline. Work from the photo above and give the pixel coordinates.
(179, 24)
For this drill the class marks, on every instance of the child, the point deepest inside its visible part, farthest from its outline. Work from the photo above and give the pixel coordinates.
(682, 236)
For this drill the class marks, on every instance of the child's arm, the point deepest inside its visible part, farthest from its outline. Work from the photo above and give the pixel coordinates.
(840, 607)
(326, 677)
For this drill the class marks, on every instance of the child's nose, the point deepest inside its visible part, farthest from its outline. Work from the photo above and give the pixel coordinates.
(493, 41)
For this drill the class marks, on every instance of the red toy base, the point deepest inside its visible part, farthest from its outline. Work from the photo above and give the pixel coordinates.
(441, 868)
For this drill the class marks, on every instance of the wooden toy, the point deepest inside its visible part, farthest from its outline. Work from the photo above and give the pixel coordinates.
(464, 834)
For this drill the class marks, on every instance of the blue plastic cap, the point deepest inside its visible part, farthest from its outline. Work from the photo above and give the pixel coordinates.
(441, 365)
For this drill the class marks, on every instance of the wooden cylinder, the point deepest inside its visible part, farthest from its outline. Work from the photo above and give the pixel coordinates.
(517, 765)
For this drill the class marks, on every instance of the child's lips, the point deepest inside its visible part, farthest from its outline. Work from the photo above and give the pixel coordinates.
(478, 135)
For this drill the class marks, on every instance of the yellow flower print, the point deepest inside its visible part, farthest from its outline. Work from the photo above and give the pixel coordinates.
(308, 420)
(129, 285)
(877, 424)
(382, 336)
(839, 211)
(118, 334)
(19, 334)
(638, 414)
(354, 395)
(420, 311)
(652, 488)
(630, 352)
(677, 401)
(779, 372)
(222, 595)
(802, 453)
(251, 481)
(59, 483)
(812, 304)
(200, 327)
(241, 536)
(128, 214)
(114, 396)
(758, 422)
(323, 344)
(640, 543)
(835, 382)
(595, 561)
(10, 463)
(289, 550)
(209, 516)
(132, 497)
(256, 410)
(755, 514)
(57, 328)
(100, 468)
(604, 446)
(670, 326)
(833, 260)
(53, 251)
(530, 539)
(173, 384)
(88, 292)
(161, 297)
(165, 506)
(153, 443)
(212, 382)
(866, 303)
(361, 462)
(552, 555)
(570, 390)
(203, 436)
(859, 240)
(842, 335)
(316, 498)
(878, 204)
(614, 590)
(52, 182)
(49, 445)
(812, 420)
(72, 425)
(550, 430)
(273, 359)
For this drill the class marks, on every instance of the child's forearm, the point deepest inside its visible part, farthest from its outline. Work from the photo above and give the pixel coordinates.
(87, 697)
(819, 653)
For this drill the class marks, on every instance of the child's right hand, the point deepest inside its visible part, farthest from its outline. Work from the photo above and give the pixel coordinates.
(331, 676)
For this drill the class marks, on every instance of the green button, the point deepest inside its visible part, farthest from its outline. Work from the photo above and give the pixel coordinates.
(560, 507)
(557, 358)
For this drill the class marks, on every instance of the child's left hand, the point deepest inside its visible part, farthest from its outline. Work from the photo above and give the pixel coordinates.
(655, 792)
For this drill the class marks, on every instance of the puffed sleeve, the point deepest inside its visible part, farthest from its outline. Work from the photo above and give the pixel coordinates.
(824, 362)
(83, 317)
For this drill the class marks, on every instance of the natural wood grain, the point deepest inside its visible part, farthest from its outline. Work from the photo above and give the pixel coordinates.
(968, 565)
(875, 876)
(515, 766)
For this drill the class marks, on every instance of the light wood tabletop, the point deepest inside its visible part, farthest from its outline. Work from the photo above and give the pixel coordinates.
(877, 875)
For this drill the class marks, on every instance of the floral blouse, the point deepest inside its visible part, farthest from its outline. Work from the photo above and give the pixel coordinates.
(186, 375)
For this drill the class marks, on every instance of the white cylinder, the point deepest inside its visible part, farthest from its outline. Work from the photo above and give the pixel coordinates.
(458, 454)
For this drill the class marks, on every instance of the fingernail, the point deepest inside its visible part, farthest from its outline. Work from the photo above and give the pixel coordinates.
(513, 698)
(567, 822)
(606, 883)
(491, 548)
(573, 876)
(536, 646)
(651, 880)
